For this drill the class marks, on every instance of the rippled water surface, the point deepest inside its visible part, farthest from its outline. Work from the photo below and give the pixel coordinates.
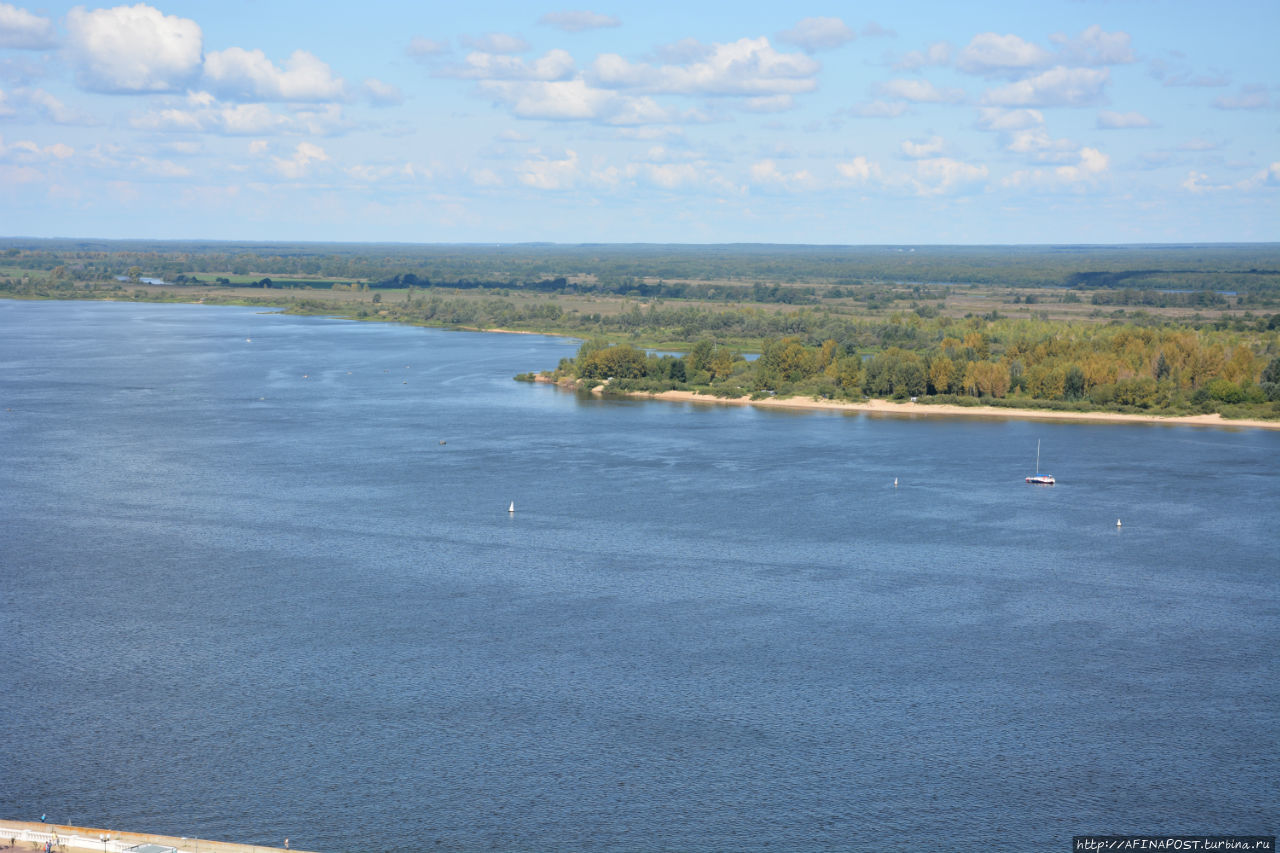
(259, 579)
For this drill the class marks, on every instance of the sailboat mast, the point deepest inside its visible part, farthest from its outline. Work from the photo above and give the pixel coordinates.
(1037, 457)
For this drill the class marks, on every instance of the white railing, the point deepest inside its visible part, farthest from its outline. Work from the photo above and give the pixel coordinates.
(63, 840)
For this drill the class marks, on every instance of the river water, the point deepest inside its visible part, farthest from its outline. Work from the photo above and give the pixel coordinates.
(259, 580)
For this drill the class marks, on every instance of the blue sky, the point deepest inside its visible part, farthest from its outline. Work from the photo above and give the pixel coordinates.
(902, 122)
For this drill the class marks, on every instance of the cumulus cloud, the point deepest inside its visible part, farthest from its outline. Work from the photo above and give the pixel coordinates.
(578, 21)
(299, 164)
(918, 92)
(547, 174)
(920, 150)
(943, 176)
(1005, 121)
(859, 170)
(382, 94)
(1036, 144)
(814, 34)
(1091, 164)
(993, 55)
(496, 43)
(573, 100)
(1093, 47)
(201, 112)
(248, 75)
(1108, 120)
(554, 65)
(770, 104)
(26, 151)
(765, 173)
(21, 30)
(1057, 87)
(749, 67)
(1267, 177)
(133, 49)
(938, 53)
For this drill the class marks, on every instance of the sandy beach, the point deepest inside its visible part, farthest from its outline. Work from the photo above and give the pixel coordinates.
(886, 407)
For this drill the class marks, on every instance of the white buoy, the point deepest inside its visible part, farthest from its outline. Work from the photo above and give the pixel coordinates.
(1117, 522)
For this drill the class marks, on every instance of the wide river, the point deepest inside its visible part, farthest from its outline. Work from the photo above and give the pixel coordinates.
(258, 579)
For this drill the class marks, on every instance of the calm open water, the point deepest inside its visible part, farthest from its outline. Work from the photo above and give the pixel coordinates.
(248, 594)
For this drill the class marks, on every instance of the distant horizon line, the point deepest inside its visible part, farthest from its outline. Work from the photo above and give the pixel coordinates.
(597, 243)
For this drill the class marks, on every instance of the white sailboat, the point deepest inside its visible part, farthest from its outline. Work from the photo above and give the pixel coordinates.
(512, 507)
(1038, 478)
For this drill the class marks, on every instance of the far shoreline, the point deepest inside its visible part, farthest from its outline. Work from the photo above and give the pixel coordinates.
(872, 406)
(908, 409)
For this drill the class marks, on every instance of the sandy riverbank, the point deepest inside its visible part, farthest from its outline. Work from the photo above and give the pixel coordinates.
(885, 407)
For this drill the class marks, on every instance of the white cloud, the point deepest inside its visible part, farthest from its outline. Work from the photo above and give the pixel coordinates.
(1036, 143)
(24, 31)
(382, 94)
(767, 174)
(748, 67)
(133, 49)
(547, 174)
(1057, 87)
(918, 92)
(554, 65)
(943, 175)
(814, 34)
(860, 170)
(992, 55)
(578, 21)
(249, 75)
(770, 104)
(1093, 47)
(920, 150)
(672, 176)
(1005, 121)
(938, 53)
(496, 43)
(420, 47)
(203, 113)
(1091, 165)
(1108, 120)
(300, 163)
(1269, 176)
(573, 100)
(26, 151)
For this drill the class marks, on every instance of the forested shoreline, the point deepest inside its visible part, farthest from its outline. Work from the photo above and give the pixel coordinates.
(1059, 331)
